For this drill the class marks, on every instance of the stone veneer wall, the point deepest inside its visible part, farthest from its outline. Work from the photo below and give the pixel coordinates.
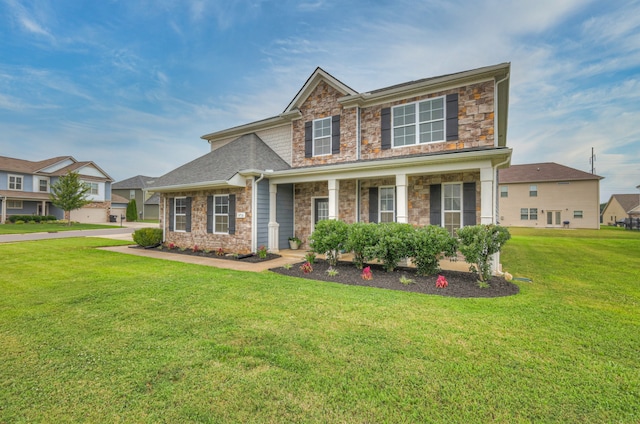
(475, 121)
(240, 242)
(322, 103)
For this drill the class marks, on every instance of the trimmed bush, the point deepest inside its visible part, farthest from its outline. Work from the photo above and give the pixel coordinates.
(329, 237)
(428, 245)
(132, 211)
(147, 237)
(360, 236)
(478, 243)
(31, 218)
(393, 244)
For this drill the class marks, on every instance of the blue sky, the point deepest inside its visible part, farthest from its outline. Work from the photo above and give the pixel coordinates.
(132, 85)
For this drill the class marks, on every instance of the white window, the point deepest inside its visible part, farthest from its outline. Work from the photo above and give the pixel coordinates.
(504, 191)
(180, 214)
(14, 204)
(452, 201)
(577, 214)
(320, 206)
(15, 182)
(524, 214)
(386, 198)
(421, 122)
(322, 137)
(132, 194)
(43, 185)
(221, 214)
(93, 187)
(533, 190)
(529, 214)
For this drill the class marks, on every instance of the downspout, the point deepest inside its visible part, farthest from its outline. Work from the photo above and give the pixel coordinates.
(359, 141)
(495, 115)
(254, 211)
(164, 219)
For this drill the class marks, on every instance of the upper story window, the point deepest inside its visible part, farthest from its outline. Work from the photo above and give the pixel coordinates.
(15, 182)
(180, 214)
(504, 191)
(421, 122)
(132, 194)
(43, 185)
(93, 188)
(387, 201)
(322, 137)
(533, 190)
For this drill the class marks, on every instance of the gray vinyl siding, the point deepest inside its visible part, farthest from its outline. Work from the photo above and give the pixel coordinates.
(284, 213)
(262, 213)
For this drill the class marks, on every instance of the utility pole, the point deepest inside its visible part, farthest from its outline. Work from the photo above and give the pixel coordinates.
(592, 161)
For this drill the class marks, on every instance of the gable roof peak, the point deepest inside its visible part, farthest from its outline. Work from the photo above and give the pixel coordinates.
(314, 79)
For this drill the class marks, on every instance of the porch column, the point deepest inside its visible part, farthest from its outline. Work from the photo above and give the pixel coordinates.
(274, 227)
(334, 190)
(44, 207)
(3, 217)
(487, 194)
(402, 214)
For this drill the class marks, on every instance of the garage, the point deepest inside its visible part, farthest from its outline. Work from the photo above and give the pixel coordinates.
(89, 215)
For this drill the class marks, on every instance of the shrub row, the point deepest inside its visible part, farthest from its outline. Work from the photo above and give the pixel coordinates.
(389, 243)
(147, 237)
(32, 218)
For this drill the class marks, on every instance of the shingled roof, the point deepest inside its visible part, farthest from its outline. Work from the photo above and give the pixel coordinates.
(541, 172)
(628, 201)
(137, 182)
(248, 152)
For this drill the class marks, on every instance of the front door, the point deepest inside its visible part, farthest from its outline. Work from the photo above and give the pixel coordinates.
(554, 218)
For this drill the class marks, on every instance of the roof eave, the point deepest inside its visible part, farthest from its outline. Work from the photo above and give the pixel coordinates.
(232, 182)
(282, 119)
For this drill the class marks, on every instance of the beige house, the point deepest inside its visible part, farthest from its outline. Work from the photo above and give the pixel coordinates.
(620, 207)
(548, 195)
(422, 152)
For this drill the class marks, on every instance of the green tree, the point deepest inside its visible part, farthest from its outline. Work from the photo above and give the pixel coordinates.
(132, 211)
(69, 193)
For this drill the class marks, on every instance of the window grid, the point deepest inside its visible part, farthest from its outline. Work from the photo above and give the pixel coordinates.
(425, 118)
(43, 186)
(180, 214)
(452, 201)
(577, 214)
(15, 182)
(533, 190)
(386, 199)
(504, 191)
(221, 214)
(14, 204)
(322, 137)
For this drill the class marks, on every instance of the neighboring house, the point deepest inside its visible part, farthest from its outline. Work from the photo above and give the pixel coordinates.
(422, 152)
(137, 188)
(546, 195)
(621, 207)
(118, 208)
(25, 187)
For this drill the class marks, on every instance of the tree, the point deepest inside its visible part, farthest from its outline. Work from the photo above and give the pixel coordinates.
(69, 193)
(132, 211)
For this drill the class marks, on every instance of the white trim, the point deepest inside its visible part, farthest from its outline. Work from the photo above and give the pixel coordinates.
(314, 138)
(416, 124)
(175, 214)
(380, 211)
(214, 214)
(313, 210)
(444, 210)
(16, 176)
(13, 207)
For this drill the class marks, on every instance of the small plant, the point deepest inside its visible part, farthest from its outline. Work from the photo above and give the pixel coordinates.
(287, 266)
(310, 257)
(366, 273)
(235, 255)
(406, 280)
(483, 284)
(441, 282)
(332, 272)
(220, 251)
(478, 243)
(295, 239)
(171, 246)
(306, 268)
(182, 249)
(196, 249)
(262, 252)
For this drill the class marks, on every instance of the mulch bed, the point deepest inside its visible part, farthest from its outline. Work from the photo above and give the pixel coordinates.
(461, 284)
(242, 258)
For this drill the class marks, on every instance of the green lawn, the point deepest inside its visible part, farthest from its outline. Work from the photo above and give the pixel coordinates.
(48, 227)
(95, 336)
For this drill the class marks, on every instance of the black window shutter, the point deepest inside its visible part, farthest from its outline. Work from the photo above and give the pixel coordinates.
(435, 204)
(469, 204)
(385, 126)
(308, 139)
(452, 117)
(335, 134)
(373, 204)
(171, 207)
(187, 227)
(232, 214)
(210, 214)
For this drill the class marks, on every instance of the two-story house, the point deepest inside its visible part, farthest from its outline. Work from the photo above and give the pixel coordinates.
(136, 188)
(25, 188)
(421, 152)
(548, 195)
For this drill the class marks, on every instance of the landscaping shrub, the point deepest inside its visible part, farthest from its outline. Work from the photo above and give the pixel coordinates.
(393, 244)
(428, 244)
(147, 237)
(361, 235)
(478, 243)
(132, 211)
(31, 218)
(329, 237)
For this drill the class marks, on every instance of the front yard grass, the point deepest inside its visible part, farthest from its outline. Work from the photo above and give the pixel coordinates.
(96, 336)
(28, 228)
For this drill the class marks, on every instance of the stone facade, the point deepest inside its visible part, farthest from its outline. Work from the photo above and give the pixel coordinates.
(240, 242)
